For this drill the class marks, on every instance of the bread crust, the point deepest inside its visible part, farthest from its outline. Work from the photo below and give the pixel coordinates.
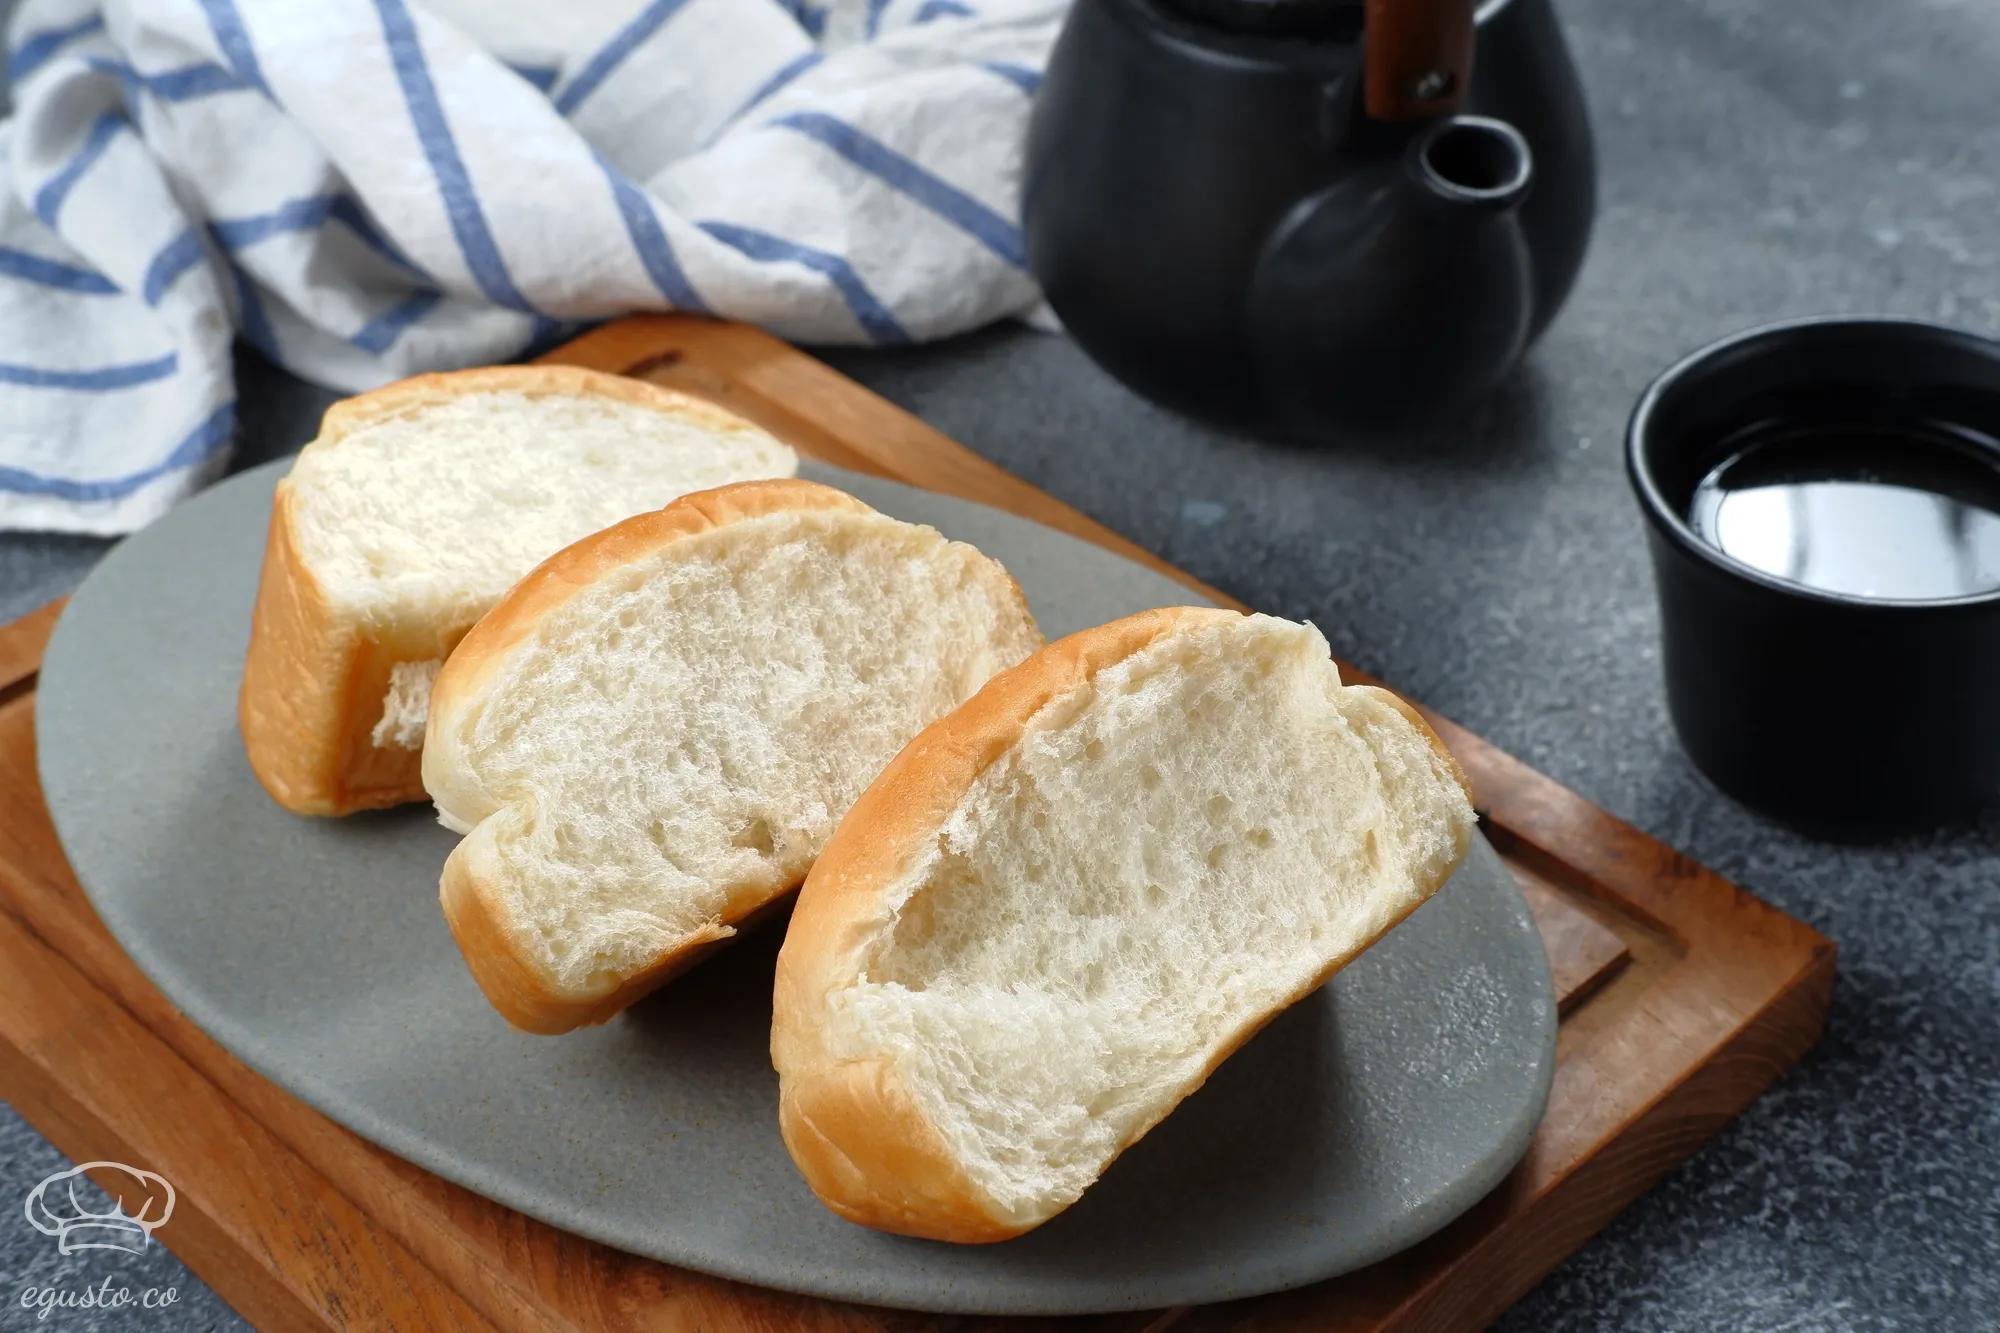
(513, 983)
(288, 716)
(514, 986)
(853, 1128)
(314, 678)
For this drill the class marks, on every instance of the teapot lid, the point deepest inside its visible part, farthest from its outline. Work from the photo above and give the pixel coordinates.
(1416, 55)
(1327, 20)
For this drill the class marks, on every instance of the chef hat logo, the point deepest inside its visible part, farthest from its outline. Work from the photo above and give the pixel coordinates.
(68, 1207)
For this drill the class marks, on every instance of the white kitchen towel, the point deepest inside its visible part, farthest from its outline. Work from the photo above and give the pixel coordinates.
(367, 188)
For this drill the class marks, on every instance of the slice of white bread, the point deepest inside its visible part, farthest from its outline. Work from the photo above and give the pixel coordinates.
(1062, 906)
(652, 735)
(416, 508)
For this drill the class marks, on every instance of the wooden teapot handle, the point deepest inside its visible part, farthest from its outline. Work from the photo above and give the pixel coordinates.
(1416, 57)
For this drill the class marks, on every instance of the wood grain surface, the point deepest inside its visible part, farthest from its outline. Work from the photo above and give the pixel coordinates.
(1682, 998)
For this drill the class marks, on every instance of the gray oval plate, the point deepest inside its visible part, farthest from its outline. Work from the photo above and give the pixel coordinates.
(1358, 1123)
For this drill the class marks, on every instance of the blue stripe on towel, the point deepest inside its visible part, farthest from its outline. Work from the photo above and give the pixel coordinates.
(191, 81)
(1027, 80)
(811, 19)
(198, 444)
(183, 84)
(890, 167)
(234, 39)
(175, 258)
(656, 252)
(46, 272)
(49, 199)
(37, 49)
(94, 381)
(540, 77)
(379, 334)
(461, 202)
(770, 87)
(875, 10)
(307, 213)
(943, 9)
(870, 313)
(643, 25)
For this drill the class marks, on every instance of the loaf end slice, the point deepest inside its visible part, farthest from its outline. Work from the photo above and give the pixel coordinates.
(417, 506)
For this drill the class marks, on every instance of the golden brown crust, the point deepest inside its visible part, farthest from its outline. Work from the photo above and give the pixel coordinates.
(314, 680)
(854, 1131)
(313, 684)
(371, 776)
(518, 989)
(290, 725)
(872, 1157)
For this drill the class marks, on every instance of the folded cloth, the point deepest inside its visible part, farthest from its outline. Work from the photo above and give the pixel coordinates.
(367, 188)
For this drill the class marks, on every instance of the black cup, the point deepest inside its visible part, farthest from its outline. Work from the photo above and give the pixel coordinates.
(1822, 708)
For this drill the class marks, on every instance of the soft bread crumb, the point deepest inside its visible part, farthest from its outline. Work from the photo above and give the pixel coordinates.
(406, 705)
(439, 510)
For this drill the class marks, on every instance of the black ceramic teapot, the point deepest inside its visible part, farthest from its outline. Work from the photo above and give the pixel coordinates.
(1289, 214)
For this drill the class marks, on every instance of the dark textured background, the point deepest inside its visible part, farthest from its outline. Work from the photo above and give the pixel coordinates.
(1758, 161)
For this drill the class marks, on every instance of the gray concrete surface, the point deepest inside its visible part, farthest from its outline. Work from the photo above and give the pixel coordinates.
(1759, 161)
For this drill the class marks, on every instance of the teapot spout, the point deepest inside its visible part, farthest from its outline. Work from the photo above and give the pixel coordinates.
(1473, 162)
(1399, 290)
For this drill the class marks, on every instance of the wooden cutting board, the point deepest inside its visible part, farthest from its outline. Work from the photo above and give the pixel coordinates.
(1682, 998)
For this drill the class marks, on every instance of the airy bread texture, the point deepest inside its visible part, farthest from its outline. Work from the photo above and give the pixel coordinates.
(652, 736)
(1065, 904)
(415, 509)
